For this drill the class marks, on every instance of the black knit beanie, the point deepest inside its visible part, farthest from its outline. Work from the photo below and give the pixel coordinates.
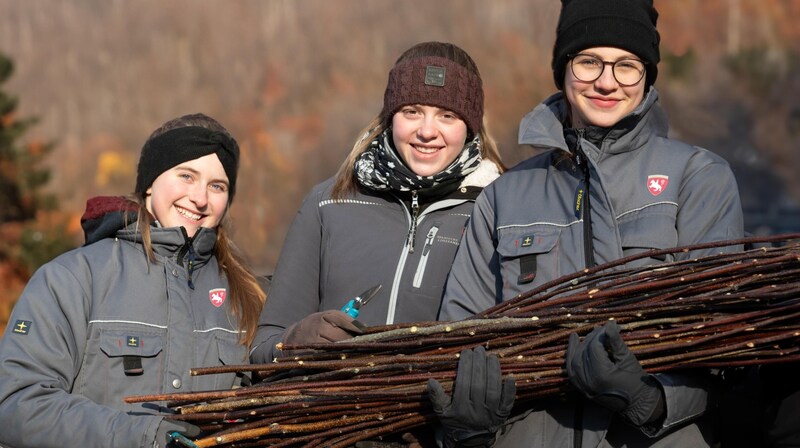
(182, 144)
(435, 81)
(626, 24)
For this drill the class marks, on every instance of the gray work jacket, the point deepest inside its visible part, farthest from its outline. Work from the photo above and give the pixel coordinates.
(646, 191)
(337, 249)
(91, 318)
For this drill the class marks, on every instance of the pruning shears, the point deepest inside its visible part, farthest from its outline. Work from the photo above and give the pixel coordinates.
(354, 305)
(178, 439)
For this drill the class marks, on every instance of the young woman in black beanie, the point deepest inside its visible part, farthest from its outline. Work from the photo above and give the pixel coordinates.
(609, 183)
(157, 289)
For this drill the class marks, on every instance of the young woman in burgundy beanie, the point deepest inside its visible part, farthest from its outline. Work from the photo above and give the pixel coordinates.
(393, 214)
(158, 289)
(609, 183)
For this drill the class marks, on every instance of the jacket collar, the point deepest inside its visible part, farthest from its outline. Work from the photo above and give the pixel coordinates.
(543, 127)
(171, 242)
(116, 216)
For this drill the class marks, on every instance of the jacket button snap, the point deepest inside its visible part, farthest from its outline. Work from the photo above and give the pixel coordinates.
(176, 383)
(174, 272)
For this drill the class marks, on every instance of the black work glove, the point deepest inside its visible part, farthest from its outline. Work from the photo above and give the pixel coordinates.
(481, 402)
(321, 327)
(605, 370)
(166, 427)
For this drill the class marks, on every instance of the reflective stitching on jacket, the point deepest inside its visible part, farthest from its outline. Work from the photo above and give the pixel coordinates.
(126, 322)
(541, 224)
(220, 329)
(646, 206)
(163, 327)
(347, 201)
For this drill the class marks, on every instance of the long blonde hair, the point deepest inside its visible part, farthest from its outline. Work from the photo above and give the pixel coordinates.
(246, 296)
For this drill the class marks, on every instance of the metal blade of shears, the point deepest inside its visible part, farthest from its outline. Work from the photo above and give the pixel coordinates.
(366, 296)
(352, 306)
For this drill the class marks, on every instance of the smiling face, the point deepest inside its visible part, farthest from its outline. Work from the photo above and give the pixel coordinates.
(428, 138)
(192, 194)
(602, 102)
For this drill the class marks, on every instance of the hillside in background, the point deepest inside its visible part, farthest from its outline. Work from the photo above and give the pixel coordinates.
(295, 81)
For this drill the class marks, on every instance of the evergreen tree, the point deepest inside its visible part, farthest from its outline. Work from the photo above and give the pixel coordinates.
(31, 232)
(21, 174)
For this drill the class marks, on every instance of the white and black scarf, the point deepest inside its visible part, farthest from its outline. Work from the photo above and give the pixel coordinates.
(380, 168)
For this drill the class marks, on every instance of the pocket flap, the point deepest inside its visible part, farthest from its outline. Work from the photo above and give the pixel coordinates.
(651, 231)
(130, 343)
(519, 241)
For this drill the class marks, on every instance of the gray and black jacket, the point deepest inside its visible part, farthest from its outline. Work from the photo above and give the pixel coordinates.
(337, 249)
(645, 191)
(100, 323)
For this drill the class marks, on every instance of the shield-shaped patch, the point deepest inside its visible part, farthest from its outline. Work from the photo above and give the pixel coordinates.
(657, 183)
(217, 296)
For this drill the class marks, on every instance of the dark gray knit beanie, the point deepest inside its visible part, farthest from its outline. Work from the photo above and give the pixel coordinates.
(626, 24)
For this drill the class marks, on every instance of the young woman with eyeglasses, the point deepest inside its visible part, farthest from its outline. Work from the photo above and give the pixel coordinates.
(609, 183)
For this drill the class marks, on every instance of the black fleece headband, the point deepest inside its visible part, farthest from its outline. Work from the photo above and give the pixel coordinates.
(182, 144)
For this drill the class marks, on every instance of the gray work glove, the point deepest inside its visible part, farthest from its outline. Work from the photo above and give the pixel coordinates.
(481, 401)
(604, 369)
(321, 327)
(166, 427)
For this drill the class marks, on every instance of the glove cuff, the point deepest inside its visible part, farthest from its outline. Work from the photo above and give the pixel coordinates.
(463, 438)
(649, 406)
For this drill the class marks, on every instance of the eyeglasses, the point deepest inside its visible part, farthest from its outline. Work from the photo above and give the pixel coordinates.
(588, 68)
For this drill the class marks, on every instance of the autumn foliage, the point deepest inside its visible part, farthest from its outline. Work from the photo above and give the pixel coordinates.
(295, 82)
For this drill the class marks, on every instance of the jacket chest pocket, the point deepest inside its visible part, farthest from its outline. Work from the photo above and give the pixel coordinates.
(646, 231)
(528, 257)
(419, 274)
(122, 363)
(221, 350)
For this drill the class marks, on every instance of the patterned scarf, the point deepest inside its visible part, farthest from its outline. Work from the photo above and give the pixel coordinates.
(380, 168)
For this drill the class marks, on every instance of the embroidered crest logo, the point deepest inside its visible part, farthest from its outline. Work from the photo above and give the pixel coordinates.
(657, 183)
(217, 296)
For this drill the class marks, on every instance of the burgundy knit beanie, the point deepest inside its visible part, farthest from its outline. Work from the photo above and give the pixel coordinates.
(435, 81)
(626, 24)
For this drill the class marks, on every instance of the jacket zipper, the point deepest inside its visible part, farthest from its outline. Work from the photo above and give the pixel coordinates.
(187, 251)
(412, 232)
(423, 261)
(408, 248)
(583, 164)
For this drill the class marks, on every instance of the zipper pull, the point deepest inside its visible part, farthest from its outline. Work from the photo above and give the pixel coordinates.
(192, 258)
(188, 251)
(429, 241)
(412, 232)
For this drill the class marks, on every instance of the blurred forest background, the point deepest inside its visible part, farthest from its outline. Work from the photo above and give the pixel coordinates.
(296, 80)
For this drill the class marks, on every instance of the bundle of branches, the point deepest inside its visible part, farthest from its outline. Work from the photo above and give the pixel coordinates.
(721, 311)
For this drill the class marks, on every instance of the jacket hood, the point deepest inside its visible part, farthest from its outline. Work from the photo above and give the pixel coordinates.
(543, 127)
(116, 216)
(105, 215)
